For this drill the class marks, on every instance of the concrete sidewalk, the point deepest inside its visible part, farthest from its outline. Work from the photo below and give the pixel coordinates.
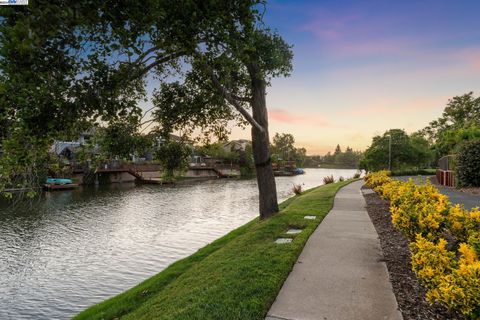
(340, 273)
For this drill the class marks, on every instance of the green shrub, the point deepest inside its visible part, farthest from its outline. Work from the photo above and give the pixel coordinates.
(468, 164)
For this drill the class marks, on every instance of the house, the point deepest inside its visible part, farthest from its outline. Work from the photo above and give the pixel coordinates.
(67, 148)
(236, 145)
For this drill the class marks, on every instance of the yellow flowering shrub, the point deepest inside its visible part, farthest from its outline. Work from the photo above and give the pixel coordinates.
(460, 290)
(464, 224)
(419, 210)
(377, 178)
(423, 214)
(431, 261)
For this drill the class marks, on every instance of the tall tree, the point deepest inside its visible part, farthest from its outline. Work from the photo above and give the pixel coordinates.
(406, 152)
(461, 112)
(284, 145)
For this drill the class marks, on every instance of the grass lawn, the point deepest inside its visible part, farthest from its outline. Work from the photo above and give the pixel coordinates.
(235, 277)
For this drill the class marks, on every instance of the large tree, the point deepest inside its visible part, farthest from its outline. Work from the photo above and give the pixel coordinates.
(397, 148)
(460, 121)
(219, 54)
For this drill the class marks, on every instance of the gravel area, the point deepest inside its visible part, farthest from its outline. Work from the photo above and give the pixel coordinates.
(408, 291)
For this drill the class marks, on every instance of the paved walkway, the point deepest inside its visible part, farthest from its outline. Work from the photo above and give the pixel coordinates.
(340, 273)
(467, 199)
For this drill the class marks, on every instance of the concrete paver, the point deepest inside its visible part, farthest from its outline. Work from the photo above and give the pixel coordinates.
(340, 273)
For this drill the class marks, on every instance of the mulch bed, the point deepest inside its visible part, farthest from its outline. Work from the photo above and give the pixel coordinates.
(408, 291)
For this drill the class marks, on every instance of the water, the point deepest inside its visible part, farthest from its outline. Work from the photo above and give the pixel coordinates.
(72, 249)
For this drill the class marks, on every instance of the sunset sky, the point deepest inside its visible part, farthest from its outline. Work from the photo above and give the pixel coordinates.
(362, 67)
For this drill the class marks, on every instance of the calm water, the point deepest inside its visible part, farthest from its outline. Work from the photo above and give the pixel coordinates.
(72, 249)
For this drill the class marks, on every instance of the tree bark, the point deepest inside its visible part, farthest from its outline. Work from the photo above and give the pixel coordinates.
(260, 145)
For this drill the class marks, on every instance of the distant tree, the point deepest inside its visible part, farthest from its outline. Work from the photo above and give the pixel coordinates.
(121, 140)
(338, 150)
(407, 152)
(216, 150)
(449, 141)
(347, 159)
(174, 157)
(300, 156)
(283, 145)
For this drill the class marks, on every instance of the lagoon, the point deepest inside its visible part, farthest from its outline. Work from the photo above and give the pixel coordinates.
(71, 249)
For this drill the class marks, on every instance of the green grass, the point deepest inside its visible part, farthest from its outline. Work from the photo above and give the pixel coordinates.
(235, 277)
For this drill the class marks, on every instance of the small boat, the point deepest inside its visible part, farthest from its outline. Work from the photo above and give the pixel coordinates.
(299, 171)
(59, 184)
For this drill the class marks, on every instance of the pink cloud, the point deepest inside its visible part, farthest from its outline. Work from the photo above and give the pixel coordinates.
(281, 115)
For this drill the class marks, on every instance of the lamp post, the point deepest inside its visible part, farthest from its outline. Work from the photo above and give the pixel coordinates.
(389, 152)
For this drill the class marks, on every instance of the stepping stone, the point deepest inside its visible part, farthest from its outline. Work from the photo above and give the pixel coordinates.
(310, 217)
(294, 231)
(283, 240)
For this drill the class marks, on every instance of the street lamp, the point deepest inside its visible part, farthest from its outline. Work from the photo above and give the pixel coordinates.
(389, 152)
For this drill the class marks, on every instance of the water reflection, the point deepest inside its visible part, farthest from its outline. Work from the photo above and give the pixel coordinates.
(76, 248)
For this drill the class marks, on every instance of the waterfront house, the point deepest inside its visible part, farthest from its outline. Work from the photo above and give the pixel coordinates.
(236, 145)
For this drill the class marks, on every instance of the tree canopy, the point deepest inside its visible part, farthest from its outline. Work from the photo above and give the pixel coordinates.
(405, 152)
(460, 122)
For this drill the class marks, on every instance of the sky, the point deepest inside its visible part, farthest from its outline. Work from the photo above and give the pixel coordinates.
(363, 67)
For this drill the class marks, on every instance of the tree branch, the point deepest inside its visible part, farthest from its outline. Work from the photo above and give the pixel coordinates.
(144, 54)
(243, 99)
(157, 62)
(234, 102)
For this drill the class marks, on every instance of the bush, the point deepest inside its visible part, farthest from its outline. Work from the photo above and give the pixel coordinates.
(328, 179)
(468, 164)
(357, 175)
(297, 189)
(341, 179)
(450, 272)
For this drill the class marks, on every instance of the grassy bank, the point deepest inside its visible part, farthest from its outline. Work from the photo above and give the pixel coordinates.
(235, 277)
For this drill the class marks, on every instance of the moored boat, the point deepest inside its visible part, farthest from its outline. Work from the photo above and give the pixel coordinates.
(59, 184)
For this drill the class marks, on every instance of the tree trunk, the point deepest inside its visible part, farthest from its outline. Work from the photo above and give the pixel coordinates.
(260, 145)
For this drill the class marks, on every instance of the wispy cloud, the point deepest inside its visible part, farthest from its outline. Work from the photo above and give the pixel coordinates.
(284, 116)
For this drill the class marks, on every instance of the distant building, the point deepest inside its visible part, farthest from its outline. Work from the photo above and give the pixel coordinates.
(236, 145)
(67, 148)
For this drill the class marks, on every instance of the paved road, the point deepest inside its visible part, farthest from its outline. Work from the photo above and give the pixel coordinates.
(467, 199)
(340, 273)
